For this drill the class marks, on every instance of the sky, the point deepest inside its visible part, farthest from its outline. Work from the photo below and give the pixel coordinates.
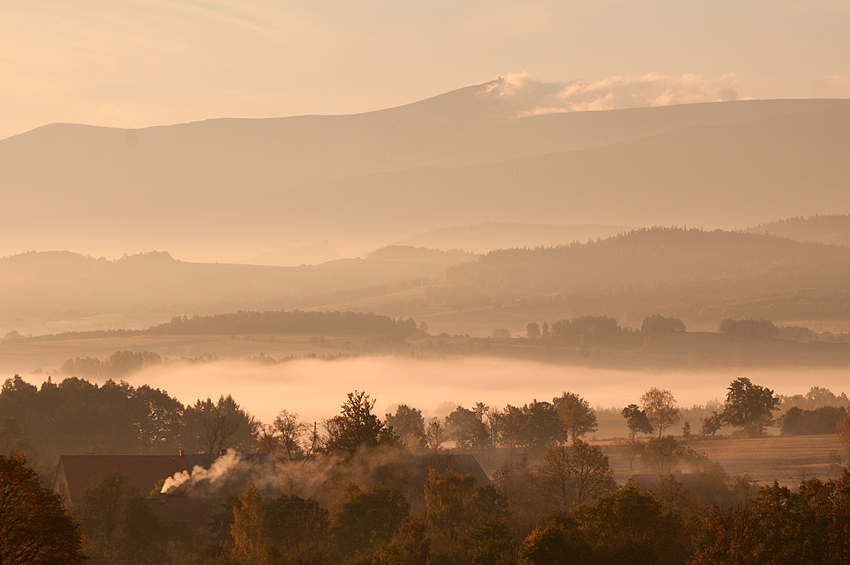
(138, 63)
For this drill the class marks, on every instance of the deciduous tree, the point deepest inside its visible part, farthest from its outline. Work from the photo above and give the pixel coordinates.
(35, 529)
(577, 417)
(636, 420)
(660, 408)
(356, 425)
(749, 406)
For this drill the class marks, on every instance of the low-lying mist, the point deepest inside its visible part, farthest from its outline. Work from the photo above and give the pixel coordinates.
(316, 388)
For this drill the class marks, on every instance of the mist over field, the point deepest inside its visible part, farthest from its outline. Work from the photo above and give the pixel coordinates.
(316, 388)
(527, 282)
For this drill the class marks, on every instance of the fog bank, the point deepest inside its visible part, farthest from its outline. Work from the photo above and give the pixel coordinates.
(315, 388)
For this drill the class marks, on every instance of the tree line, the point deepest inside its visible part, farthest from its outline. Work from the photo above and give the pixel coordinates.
(269, 322)
(557, 504)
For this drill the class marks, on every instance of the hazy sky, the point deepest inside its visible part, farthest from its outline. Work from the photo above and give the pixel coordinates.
(133, 63)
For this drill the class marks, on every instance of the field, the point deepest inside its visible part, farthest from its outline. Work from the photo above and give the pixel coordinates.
(787, 460)
(671, 350)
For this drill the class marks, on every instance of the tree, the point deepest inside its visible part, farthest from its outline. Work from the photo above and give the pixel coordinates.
(574, 474)
(35, 529)
(450, 500)
(636, 420)
(356, 426)
(369, 517)
(711, 424)
(285, 437)
(842, 430)
(532, 330)
(408, 425)
(118, 525)
(557, 542)
(540, 425)
(214, 427)
(749, 407)
(661, 455)
(632, 526)
(248, 526)
(466, 428)
(658, 323)
(435, 435)
(660, 408)
(749, 328)
(577, 417)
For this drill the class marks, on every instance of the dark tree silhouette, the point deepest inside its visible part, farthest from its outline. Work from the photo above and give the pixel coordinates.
(749, 406)
(35, 529)
(356, 425)
(577, 417)
(636, 420)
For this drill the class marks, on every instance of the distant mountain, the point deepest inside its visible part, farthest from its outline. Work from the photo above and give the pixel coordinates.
(297, 255)
(830, 230)
(481, 238)
(232, 188)
(657, 257)
(60, 285)
(703, 275)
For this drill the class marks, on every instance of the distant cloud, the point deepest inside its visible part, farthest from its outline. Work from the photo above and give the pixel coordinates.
(523, 96)
(510, 84)
(647, 90)
(541, 111)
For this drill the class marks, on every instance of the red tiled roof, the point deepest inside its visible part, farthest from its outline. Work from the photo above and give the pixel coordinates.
(144, 471)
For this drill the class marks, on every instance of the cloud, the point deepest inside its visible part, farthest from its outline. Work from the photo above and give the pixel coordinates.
(541, 111)
(521, 96)
(647, 90)
(510, 84)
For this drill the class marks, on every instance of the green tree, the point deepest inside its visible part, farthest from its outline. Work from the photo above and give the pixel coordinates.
(632, 527)
(216, 426)
(118, 525)
(577, 417)
(435, 435)
(35, 529)
(248, 526)
(541, 425)
(467, 429)
(369, 517)
(532, 330)
(658, 323)
(661, 455)
(408, 425)
(450, 499)
(574, 474)
(749, 407)
(557, 542)
(660, 408)
(356, 425)
(636, 420)
(711, 424)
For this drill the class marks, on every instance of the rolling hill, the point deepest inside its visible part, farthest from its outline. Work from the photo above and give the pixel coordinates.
(224, 190)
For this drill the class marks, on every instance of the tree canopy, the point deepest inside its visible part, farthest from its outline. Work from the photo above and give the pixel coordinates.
(356, 425)
(660, 408)
(35, 529)
(749, 406)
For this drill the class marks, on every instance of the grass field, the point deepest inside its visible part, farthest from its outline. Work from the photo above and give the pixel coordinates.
(787, 460)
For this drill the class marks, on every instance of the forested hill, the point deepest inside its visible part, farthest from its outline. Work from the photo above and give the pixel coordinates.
(64, 285)
(830, 230)
(280, 322)
(655, 258)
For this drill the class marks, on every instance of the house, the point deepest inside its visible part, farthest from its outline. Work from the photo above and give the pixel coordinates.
(212, 476)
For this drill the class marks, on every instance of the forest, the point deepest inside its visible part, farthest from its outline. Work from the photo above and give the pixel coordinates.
(364, 489)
